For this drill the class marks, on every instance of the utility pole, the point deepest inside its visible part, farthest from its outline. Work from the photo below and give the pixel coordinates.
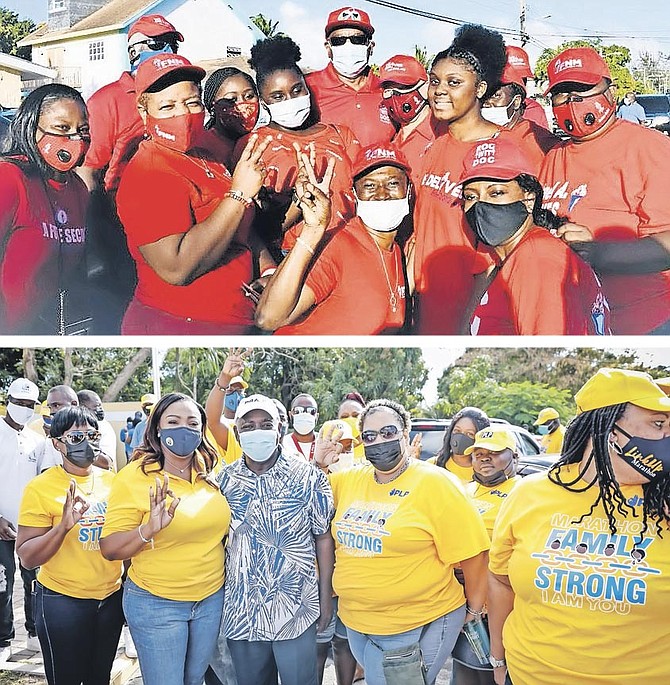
(522, 23)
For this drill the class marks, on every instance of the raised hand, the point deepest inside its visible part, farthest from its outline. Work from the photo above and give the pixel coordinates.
(327, 448)
(415, 447)
(250, 171)
(160, 514)
(312, 194)
(74, 507)
(233, 365)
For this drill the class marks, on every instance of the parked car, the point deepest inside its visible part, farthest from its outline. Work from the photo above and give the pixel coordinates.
(531, 457)
(657, 111)
(4, 128)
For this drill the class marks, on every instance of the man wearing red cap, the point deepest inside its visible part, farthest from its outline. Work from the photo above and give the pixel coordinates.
(404, 83)
(187, 221)
(347, 92)
(356, 284)
(533, 111)
(611, 179)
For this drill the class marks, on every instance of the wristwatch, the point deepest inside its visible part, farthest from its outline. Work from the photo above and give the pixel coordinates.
(497, 663)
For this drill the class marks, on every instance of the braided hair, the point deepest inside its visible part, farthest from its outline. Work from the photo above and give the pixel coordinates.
(217, 79)
(596, 425)
(481, 50)
(544, 218)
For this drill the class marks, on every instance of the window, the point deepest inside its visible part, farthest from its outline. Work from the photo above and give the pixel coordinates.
(96, 51)
(56, 5)
(233, 52)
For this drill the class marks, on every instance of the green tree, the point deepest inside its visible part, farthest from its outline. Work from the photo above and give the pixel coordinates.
(421, 55)
(265, 25)
(12, 30)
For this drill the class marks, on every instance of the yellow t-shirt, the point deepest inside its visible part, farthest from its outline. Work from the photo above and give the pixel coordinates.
(186, 563)
(77, 569)
(588, 609)
(552, 443)
(232, 453)
(463, 473)
(488, 499)
(396, 546)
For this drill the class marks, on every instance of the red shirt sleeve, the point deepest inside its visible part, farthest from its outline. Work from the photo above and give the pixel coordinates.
(10, 193)
(650, 176)
(102, 119)
(324, 275)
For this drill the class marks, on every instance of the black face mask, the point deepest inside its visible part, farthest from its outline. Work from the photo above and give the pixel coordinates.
(649, 458)
(82, 455)
(384, 456)
(496, 224)
(497, 477)
(459, 442)
(100, 414)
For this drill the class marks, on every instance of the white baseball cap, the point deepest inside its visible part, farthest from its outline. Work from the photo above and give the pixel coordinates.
(257, 402)
(23, 389)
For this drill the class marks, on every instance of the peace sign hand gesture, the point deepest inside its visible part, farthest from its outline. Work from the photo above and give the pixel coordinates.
(74, 507)
(250, 171)
(312, 194)
(327, 449)
(160, 515)
(233, 365)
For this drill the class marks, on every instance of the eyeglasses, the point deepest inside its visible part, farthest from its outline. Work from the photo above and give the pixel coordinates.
(387, 432)
(77, 437)
(303, 410)
(339, 41)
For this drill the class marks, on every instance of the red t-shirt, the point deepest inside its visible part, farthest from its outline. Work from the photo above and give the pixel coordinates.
(617, 185)
(43, 239)
(535, 112)
(415, 145)
(542, 288)
(116, 128)
(363, 110)
(445, 258)
(219, 146)
(163, 193)
(534, 140)
(351, 287)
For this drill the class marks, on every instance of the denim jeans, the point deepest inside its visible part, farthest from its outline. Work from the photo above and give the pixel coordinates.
(7, 573)
(259, 662)
(78, 636)
(436, 639)
(175, 640)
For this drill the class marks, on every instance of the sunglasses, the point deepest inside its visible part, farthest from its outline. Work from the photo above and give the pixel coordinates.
(77, 437)
(339, 41)
(154, 45)
(387, 432)
(303, 410)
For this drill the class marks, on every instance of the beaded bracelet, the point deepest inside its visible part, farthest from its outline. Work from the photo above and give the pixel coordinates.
(239, 196)
(219, 386)
(472, 612)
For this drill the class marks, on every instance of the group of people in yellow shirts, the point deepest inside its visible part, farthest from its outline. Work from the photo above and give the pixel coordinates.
(568, 567)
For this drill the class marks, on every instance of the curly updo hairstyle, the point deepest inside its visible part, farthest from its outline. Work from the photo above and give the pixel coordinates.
(274, 54)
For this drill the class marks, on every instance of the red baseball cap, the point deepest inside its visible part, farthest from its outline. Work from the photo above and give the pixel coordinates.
(512, 75)
(499, 158)
(349, 17)
(577, 65)
(152, 25)
(402, 69)
(153, 69)
(379, 154)
(518, 57)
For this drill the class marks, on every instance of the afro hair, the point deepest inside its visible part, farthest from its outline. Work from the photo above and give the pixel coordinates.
(274, 54)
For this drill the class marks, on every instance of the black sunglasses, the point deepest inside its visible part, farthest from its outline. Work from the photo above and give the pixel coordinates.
(339, 41)
(77, 437)
(387, 432)
(303, 410)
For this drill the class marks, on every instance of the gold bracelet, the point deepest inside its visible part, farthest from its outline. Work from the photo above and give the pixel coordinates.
(144, 540)
(219, 386)
(239, 196)
(306, 245)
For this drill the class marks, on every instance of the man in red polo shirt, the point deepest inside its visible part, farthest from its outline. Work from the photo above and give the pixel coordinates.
(518, 58)
(347, 92)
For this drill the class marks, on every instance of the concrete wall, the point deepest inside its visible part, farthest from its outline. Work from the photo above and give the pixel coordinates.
(73, 11)
(10, 88)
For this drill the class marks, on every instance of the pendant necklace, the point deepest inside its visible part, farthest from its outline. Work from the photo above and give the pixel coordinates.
(190, 462)
(204, 166)
(397, 475)
(81, 486)
(393, 300)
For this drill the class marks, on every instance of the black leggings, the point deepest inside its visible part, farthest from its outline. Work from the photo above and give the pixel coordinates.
(78, 637)
(462, 675)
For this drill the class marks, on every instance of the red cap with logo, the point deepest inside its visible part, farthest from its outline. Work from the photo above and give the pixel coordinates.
(152, 25)
(402, 69)
(152, 70)
(379, 154)
(512, 75)
(499, 158)
(349, 17)
(518, 58)
(577, 65)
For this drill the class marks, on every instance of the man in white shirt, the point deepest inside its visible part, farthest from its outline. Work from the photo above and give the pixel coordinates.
(304, 414)
(108, 440)
(19, 463)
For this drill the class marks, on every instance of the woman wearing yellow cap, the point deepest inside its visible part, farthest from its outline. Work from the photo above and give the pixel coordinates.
(579, 583)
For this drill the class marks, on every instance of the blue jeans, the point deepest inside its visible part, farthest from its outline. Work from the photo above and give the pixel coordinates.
(174, 640)
(436, 639)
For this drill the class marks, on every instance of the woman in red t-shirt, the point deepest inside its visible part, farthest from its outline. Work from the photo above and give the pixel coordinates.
(43, 217)
(538, 286)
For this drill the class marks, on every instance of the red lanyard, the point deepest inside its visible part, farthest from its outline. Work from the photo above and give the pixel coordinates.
(297, 446)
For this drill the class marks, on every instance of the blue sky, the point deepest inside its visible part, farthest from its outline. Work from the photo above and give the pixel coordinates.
(548, 22)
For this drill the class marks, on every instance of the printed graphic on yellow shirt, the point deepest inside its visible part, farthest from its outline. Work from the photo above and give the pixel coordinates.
(584, 565)
(90, 526)
(362, 528)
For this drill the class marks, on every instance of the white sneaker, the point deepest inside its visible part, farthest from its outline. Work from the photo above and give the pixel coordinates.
(128, 644)
(5, 654)
(33, 644)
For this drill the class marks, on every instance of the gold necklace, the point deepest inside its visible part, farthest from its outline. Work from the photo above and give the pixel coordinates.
(205, 167)
(176, 467)
(80, 485)
(402, 470)
(393, 300)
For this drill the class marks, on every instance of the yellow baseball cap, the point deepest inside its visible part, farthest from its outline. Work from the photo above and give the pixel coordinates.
(149, 398)
(663, 384)
(337, 424)
(546, 415)
(494, 438)
(616, 386)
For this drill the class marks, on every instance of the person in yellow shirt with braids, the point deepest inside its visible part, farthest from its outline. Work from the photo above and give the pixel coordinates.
(77, 596)
(551, 430)
(168, 516)
(579, 583)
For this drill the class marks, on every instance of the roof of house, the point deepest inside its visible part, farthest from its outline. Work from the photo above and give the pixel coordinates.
(24, 67)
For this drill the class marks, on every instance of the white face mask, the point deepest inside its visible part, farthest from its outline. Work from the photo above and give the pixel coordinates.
(259, 445)
(304, 423)
(264, 117)
(19, 414)
(496, 115)
(291, 113)
(349, 59)
(382, 215)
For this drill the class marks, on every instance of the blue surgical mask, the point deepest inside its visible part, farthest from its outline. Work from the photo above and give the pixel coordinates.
(182, 441)
(232, 400)
(543, 430)
(148, 54)
(259, 445)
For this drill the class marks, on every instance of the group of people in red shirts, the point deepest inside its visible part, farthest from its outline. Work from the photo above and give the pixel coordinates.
(340, 201)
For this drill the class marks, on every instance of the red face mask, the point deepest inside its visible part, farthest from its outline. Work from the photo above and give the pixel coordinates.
(403, 107)
(178, 133)
(63, 152)
(580, 117)
(238, 118)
